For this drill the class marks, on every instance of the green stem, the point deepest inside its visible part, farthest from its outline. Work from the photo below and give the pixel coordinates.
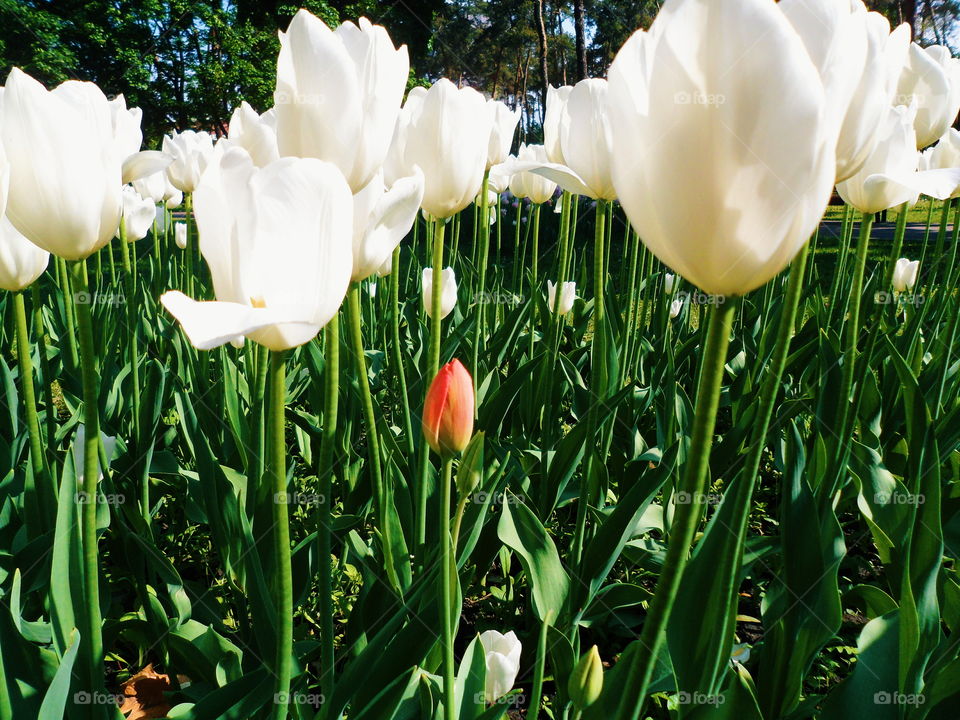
(536, 692)
(397, 351)
(446, 601)
(69, 310)
(435, 294)
(688, 515)
(598, 374)
(941, 237)
(46, 492)
(479, 297)
(458, 520)
(533, 276)
(277, 477)
(331, 388)
(373, 437)
(92, 632)
(50, 416)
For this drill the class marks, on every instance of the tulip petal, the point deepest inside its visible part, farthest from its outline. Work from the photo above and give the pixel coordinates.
(559, 174)
(144, 163)
(210, 324)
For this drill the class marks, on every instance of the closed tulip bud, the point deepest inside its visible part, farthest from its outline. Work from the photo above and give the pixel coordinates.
(395, 164)
(470, 471)
(691, 118)
(502, 653)
(447, 136)
(503, 125)
(675, 307)
(191, 151)
(138, 214)
(568, 296)
(180, 235)
(905, 274)
(277, 243)
(338, 94)
(669, 281)
(448, 410)
(525, 184)
(382, 217)
(21, 262)
(448, 291)
(65, 165)
(257, 134)
(586, 680)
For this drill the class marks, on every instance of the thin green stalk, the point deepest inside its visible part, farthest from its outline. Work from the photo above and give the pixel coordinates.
(479, 296)
(331, 390)
(687, 517)
(433, 365)
(517, 260)
(373, 436)
(92, 633)
(66, 286)
(50, 417)
(446, 590)
(533, 275)
(277, 478)
(941, 237)
(598, 373)
(397, 351)
(46, 491)
(536, 692)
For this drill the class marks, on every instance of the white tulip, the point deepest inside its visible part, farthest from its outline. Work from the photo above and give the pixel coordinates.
(669, 280)
(525, 184)
(180, 235)
(128, 137)
(503, 125)
(139, 215)
(257, 134)
(21, 262)
(277, 242)
(447, 136)
(448, 291)
(846, 44)
(925, 81)
(382, 217)
(586, 143)
(338, 94)
(675, 307)
(191, 152)
(65, 165)
(889, 177)
(905, 274)
(395, 164)
(694, 121)
(372, 289)
(502, 655)
(568, 295)
(556, 102)
(76, 450)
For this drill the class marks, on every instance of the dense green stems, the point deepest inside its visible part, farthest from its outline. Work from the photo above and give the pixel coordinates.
(91, 632)
(446, 592)
(533, 275)
(955, 236)
(46, 491)
(396, 350)
(50, 417)
(479, 295)
(517, 258)
(66, 286)
(695, 471)
(6, 708)
(896, 248)
(277, 479)
(946, 361)
(941, 238)
(436, 290)
(331, 390)
(373, 436)
(851, 336)
(130, 281)
(629, 330)
(598, 375)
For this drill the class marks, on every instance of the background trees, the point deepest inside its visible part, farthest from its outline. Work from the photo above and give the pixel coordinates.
(187, 63)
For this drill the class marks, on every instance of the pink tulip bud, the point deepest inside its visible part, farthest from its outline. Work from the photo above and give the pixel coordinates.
(448, 410)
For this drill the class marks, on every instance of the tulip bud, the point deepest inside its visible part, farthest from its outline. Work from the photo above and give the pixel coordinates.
(448, 410)
(502, 655)
(586, 680)
(471, 466)
(180, 235)
(905, 274)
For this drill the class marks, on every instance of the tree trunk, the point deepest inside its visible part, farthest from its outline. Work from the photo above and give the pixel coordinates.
(542, 49)
(579, 27)
(908, 14)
